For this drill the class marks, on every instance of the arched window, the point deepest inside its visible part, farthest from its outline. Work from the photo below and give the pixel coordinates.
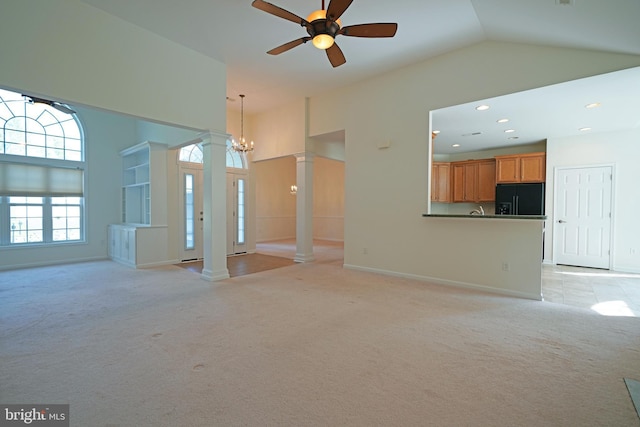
(234, 158)
(193, 153)
(41, 173)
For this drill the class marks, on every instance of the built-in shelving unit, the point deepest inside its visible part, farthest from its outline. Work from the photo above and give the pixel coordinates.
(136, 204)
(141, 239)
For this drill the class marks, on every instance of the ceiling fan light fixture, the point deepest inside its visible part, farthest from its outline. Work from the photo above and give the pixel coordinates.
(323, 41)
(323, 31)
(323, 26)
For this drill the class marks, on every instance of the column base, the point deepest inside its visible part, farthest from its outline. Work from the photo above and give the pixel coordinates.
(212, 276)
(304, 258)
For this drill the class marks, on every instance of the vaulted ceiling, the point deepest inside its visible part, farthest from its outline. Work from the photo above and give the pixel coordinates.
(234, 32)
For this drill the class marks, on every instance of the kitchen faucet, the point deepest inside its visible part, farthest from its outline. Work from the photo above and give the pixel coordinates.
(479, 211)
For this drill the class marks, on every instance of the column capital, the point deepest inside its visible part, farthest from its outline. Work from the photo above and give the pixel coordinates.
(214, 138)
(305, 156)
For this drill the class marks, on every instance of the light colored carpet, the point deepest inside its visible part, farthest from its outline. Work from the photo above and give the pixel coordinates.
(305, 345)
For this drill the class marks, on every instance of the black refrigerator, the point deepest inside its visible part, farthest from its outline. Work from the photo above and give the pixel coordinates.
(520, 199)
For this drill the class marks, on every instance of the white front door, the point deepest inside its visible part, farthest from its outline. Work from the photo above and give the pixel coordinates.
(236, 213)
(191, 212)
(582, 227)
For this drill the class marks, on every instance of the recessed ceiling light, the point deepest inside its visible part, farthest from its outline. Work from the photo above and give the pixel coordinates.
(509, 131)
(456, 145)
(592, 105)
(503, 120)
(584, 129)
(513, 137)
(482, 107)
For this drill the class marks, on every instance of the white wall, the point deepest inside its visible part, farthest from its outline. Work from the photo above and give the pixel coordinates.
(280, 132)
(386, 190)
(70, 51)
(275, 205)
(622, 150)
(105, 135)
(328, 199)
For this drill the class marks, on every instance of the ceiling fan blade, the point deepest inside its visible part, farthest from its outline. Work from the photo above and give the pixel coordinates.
(285, 47)
(335, 55)
(336, 8)
(370, 30)
(279, 12)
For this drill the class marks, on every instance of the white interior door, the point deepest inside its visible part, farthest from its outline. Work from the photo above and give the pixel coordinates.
(236, 213)
(582, 227)
(191, 213)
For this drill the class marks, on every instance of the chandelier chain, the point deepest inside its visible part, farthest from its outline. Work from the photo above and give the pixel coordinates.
(242, 146)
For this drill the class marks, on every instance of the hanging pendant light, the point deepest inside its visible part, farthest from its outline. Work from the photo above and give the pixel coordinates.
(242, 146)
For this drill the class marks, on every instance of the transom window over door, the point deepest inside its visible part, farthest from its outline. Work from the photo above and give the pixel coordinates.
(41, 173)
(193, 154)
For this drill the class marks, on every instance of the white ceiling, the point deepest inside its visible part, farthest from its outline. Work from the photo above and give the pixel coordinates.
(535, 115)
(234, 32)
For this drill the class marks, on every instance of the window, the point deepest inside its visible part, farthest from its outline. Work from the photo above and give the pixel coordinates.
(234, 158)
(241, 213)
(193, 153)
(189, 213)
(41, 173)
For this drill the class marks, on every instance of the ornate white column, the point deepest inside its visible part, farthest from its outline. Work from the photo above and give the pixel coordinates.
(304, 207)
(215, 206)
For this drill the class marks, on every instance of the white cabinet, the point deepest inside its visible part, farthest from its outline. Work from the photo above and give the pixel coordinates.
(122, 244)
(138, 246)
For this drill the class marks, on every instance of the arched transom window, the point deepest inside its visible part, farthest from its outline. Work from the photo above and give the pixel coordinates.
(193, 153)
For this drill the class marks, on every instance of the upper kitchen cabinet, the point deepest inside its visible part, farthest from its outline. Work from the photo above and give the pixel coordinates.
(473, 181)
(441, 182)
(529, 167)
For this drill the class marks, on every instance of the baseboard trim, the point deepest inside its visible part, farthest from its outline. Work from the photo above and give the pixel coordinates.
(157, 263)
(49, 263)
(446, 282)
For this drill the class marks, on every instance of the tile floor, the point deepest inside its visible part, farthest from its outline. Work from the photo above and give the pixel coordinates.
(604, 291)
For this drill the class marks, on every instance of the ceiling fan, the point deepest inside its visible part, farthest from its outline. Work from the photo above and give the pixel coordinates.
(58, 106)
(323, 26)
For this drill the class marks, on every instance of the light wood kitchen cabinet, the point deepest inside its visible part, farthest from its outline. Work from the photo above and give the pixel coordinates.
(441, 182)
(486, 181)
(473, 181)
(530, 167)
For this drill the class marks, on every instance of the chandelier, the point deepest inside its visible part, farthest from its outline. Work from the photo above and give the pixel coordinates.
(241, 145)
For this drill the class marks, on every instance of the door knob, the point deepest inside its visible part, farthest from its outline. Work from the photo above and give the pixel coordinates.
(562, 221)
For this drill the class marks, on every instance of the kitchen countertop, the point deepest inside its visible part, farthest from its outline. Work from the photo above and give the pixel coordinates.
(526, 217)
